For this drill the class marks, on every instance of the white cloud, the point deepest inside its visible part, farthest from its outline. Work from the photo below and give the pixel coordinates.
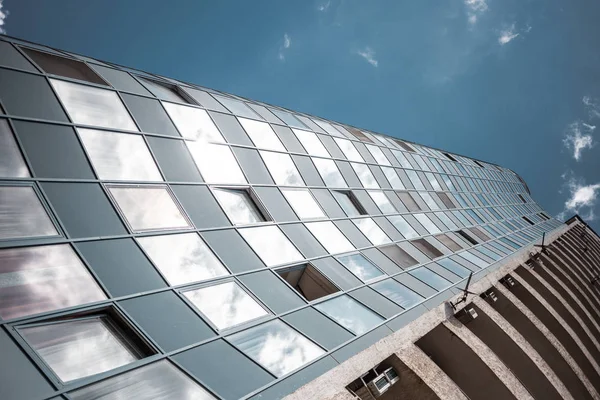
(369, 55)
(582, 199)
(325, 6)
(576, 140)
(3, 15)
(474, 9)
(507, 35)
(287, 42)
(592, 106)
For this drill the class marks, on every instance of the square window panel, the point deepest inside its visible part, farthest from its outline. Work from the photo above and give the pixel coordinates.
(398, 293)
(329, 172)
(430, 278)
(349, 203)
(261, 134)
(216, 163)
(43, 278)
(349, 150)
(282, 169)
(303, 203)
(271, 245)
(393, 178)
(361, 267)
(277, 347)
(193, 123)
(89, 105)
(330, 237)
(350, 314)
(382, 202)
(11, 160)
(308, 281)
(404, 227)
(226, 304)
(23, 215)
(182, 258)
(119, 156)
(377, 154)
(148, 208)
(311, 143)
(365, 176)
(239, 206)
(399, 256)
(372, 231)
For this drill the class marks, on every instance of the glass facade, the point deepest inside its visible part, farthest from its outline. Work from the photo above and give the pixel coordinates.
(196, 219)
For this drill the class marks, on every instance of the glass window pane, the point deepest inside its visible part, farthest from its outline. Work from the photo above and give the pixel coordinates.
(282, 169)
(303, 203)
(271, 245)
(163, 90)
(308, 281)
(393, 178)
(429, 201)
(261, 134)
(288, 118)
(193, 123)
(377, 154)
(238, 206)
(364, 174)
(349, 150)
(11, 161)
(398, 293)
(157, 381)
(80, 348)
(329, 172)
(149, 207)
(119, 156)
(446, 220)
(474, 259)
(183, 258)
(361, 267)
(43, 278)
(427, 248)
(63, 66)
(226, 304)
(237, 107)
(89, 105)
(414, 178)
(382, 202)
(408, 201)
(276, 346)
(372, 231)
(434, 183)
(399, 256)
(330, 237)
(216, 163)
(455, 267)
(311, 143)
(427, 224)
(430, 278)
(350, 314)
(328, 128)
(404, 227)
(348, 203)
(22, 214)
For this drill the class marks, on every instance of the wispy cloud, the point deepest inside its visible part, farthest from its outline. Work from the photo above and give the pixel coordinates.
(3, 15)
(592, 106)
(369, 55)
(582, 198)
(324, 6)
(507, 35)
(287, 42)
(474, 9)
(577, 140)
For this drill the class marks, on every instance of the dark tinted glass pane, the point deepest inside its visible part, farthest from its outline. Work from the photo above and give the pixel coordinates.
(174, 160)
(399, 256)
(10, 57)
(240, 260)
(318, 327)
(427, 248)
(253, 166)
(272, 291)
(308, 281)
(205, 99)
(408, 201)
(11, 160)
(163, 90)
(448, 242)
(303, 240)
(231, 129)
(121, 80)
(63, 66)
(375, 301)
(150, 115)
(201, 206)
(308, 171)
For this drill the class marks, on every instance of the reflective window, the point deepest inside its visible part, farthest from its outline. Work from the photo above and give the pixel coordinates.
(446, 220)
(288, 118)
(427, 248)
(398, 293)
(162, 90)
(261, 134)
(377, 154)
(329, 172)
(157, 381)
(239, 206)
(349, 203)
(330, 237)
(22, 214)
(75, 349)
(402, 159)
(43, 278)
(404, 227)
(11, 161)
(393, 178)
(89, 105)
(432, 181)
(361, 267)
(350, 314)
(216, 163)
(149, 207)
(429, 201)
(182, 258)
(226, 304)
(364, 174)
(303, 203)
(311, 143)
(349, 150)
(427, 224)
(454, 267)
(399, 256)
(63, 66)
(414, 178)
(410, 203)
(193, 123)
(382, 202)
(276, 346)
(237, 107)
(372, 231)
(474, 259)
(448, 242)
(282, 169)
(430, 278)
(271, 245)
(119, 156)
(328, 128)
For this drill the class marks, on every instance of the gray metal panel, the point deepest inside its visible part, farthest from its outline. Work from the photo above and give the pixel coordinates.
(276, 204)
(121, 80)
(354, 235)
(376, 302)
(415, 285)
(407, 317)
(308, 171)
(380, 177)
(388, 228)
(150, 115)
(303, 240)
(201, 206)
(10, 57)
(318, 327)
(272, 291)
(364, 152)
(366, 202)
(240, 260)
(253, 166)
(174, 160)
(338, 274)
(331, 146)
(231, 128)
(361, 343)
(289, 140)
(382, 261)
(328, 203)
(348, 174)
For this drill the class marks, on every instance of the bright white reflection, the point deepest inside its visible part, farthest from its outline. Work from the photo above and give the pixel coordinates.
(404, 227)
(382, 202)
(393, 178)
(148, 207)
(43, 278)
(226, 304)
(89, 105)
(303, 203)
(378, 154)
(361, 267)
(119, 156)
(157, 381)
(216, 163)
(429, 201)
(277, 347)
(271, 245)
(261, 134)
(349, 150)
(329, 172)
(430, 278)
(432, 181)
(22, 215)
(364, 175)
(398, 293)
(350, 314)
(372, 231)
(330, 237)
(182, 258)
(427, 224)
(80, 348)
(282, 169)
(11, 161)
(238, 206)
(311, 143)
(193, 123)
(416, 181)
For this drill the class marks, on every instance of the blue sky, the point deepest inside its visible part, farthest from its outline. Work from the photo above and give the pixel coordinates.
(515, 82)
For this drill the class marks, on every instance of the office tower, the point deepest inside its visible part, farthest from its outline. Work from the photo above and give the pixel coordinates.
(161, 240)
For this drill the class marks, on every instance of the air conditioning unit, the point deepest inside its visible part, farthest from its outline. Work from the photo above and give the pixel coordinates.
(391, 375)
(510, 281)
(492, 295)
(379, 385)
